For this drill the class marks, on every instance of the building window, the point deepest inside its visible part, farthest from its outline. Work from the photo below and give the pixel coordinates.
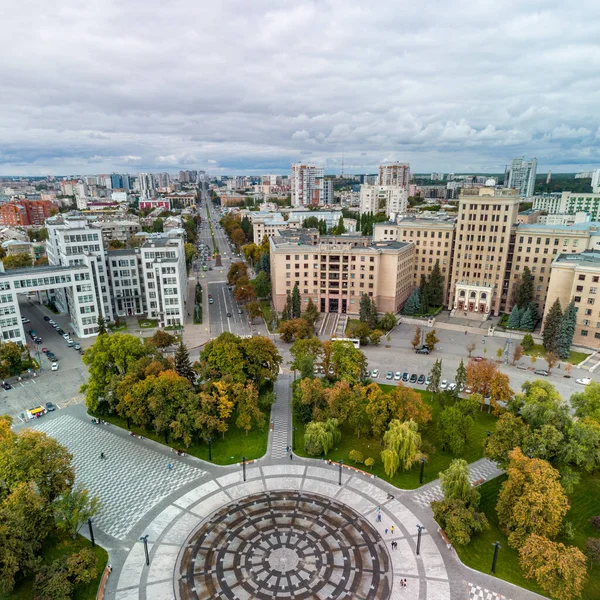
(584, 332)
(593, 290)
(590, 301)
(581, 278)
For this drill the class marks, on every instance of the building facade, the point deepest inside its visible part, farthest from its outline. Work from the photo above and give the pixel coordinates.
(396, 174)
(308, 185)
(26, 212)
(388, 199)
(336, 270)
(521, 176)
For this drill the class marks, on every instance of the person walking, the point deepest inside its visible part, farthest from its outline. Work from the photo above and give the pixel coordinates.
(169, 466)
(393, 529)
(291, 456)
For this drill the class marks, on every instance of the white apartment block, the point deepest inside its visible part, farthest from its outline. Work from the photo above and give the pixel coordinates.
(308, 185)
(596, 181)
(550, 203)
(574, 202)
(146, 185)
(521, 176)
(395, 174)
(388, 199)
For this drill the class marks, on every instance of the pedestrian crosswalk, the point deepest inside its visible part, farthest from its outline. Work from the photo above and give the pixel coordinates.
(280, 418)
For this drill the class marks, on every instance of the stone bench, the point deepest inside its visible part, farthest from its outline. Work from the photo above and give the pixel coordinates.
(445, 538)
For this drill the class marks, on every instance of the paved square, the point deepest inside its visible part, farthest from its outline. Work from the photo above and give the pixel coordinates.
(129, 482)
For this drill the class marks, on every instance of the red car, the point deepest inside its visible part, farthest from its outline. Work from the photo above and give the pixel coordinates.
(477, 358)
(44, 350)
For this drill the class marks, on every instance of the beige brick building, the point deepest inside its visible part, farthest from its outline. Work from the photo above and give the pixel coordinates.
(433, 240)
(577, 277)
(482, 258)
(335, 270)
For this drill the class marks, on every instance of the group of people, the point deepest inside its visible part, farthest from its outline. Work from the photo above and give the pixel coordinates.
(394, 545)
(403, 582)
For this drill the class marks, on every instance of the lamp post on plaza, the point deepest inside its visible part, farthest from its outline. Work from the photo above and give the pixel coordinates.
(341, 466)
(497, 547)
(420, 528)
(91, 533)
(422, 470)
(208, 441)
(244, 466)
(293, 438)
(144, 539)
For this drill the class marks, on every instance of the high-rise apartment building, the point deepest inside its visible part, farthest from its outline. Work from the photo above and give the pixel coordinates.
(388, 199)
(116, 181)
(26, 212)
(395, 174)
(596, 181)
(483, 247)
(307, 185)
(521, 176)
(146, 185)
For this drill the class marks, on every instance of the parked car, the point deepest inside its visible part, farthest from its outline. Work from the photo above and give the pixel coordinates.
(405, 377)
(66, 336)
(428, 381)
(397, 376)
(38, 340)
(60, 331)
(423, 350)
(46, 318)
(389, 375)
(374, 373)
(421, 379)
(50, 407)
(413, 378)
(77, 347)
(477, 358)
(451, 386)
(583, 381)
(228, 314)
(55, 366)
(25, 320)
(444, 384)
(542, 372)
(51, 356)
(6, 386)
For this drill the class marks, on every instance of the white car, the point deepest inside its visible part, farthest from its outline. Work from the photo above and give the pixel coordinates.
(397, 376)
(374, 373)
(55, 366)
(451, 387)
(444, 384)
(66, 336)
(583, 381)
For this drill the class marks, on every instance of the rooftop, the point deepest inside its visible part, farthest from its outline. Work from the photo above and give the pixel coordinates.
(593, 226)
(586, 258)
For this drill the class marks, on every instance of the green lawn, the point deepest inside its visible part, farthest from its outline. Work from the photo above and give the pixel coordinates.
(54, 548)
(147, 323)
(437, 460)
(267, 312)
(574, 357)
(478, 554)
(224, 451)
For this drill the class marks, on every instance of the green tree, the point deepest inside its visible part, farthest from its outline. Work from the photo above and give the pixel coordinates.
(411, 306)
(524, 295)
(431, 340)
(296, 302)
(453, 429)
(101, 325)
(190, 253)
(552, 326)
(222, 357)
(262, 285)
(459, 521)
(11, 360)
(261, 360)
(157, 226)
(461, 376)
(527, 320)
(388, 322)
(379, 409)
(402, 442)
(511, 432)
(254, 310)
(349, 363)
(540, 404)
(365, 308)
(183, 364)
(587, 402)
(435, 286)
(527, 343)
(74, 508)
(514, 321)
(456, 483)
(321, 437)
(288, 309)
(372, 320)
(248, 409)
(22, 260)
(311, 347)
(583, 444)
(435, 376)
(566, 332)
(311, 314)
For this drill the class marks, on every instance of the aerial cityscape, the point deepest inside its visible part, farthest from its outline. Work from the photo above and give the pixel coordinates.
(298, 302)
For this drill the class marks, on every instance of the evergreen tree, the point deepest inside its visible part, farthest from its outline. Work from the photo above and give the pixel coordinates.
(341, 228)
(525, 289)
(527, 321)
(296, 302)
(101, 325)
(567, 331)
(411, 306)
(425, 301)
(365, 308)
(183, 364)
(435, 286)
(311, 314)
(534, 312)
(264, 264)
(372, 320)
(552, 326)
(461, 376)
(514, 320)
(288, 311)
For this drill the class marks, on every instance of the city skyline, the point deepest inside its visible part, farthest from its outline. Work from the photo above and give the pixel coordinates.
(252, 88)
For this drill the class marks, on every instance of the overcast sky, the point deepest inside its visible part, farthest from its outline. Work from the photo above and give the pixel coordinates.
(249, 86)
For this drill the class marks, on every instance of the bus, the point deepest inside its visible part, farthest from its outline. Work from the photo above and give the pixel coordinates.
(354, 341)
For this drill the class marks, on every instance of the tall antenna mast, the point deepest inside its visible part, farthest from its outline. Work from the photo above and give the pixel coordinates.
(342, 173)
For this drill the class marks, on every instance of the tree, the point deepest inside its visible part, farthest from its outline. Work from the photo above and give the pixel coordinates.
(461, 376)
(479, 376)
(101, 325)
(459, 521)
(22, 260)
(341, 401)
(190, 253)
(247, 408)
(431, 340)
(471, 347)
(540, 404)
(244, 292)
(552, 326)
(416, 341)
(264, 263)
(435, 376)
(311, 314)
(551, 360)
(236, 270)
(375, 337)
(320, 438)
(527, 320)
(379, 409)
(222, 357)
(566, 332)
(74, 508)
(295, 329)
(356, 456)
(306, 348)
(309, 399)
(558, 569)
(365, 308)
(288, 311)
(583, 445)
(261, 359)
(162, 339)
(511, 432)
(369, 462)
(359, 330)
(349, 363)
(435, 286)
(388, 321)
(587, 403)
(183, 364)
(453, 429)
(254, 310)
(524, 294)
(411, 306)
(407, 404)
(456, 484)
(296, 302)
(402, 443)
(500, 390)
(518, 353)
(531, 500)
(238, 237)
(262, 285)
(11, 359)
(515, 318)
(527, 343)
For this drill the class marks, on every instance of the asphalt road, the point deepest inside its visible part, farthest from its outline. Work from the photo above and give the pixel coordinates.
(223, 304)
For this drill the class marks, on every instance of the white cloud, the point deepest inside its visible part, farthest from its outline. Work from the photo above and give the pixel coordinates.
(252, 86)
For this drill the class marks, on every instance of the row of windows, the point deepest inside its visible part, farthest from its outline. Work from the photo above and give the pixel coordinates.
(54, 279)
(81, 249)
(8, 322)
(83, 237)
(6, 298)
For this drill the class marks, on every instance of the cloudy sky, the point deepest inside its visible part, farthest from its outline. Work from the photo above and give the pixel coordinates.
(249, 86)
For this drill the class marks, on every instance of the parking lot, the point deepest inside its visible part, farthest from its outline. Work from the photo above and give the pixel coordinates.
(60, 387)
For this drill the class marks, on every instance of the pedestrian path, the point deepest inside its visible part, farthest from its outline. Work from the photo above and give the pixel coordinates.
(476, 592)
(481, 469)
(281, 418)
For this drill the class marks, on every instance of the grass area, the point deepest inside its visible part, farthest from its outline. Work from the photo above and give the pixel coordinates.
(224, 451)
(147, 323)
(540, 352)
(478, 554)
(267, 311)
(119, 328)
(55, 547)
(437, 460)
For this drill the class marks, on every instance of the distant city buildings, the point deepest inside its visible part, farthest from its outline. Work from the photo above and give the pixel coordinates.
(387, 199)
(26, 212)
(521, 176)
(146, 185)
(395, 174)
(309, 187)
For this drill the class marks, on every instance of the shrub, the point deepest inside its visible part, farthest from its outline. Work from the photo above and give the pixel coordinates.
(528, 342)
(369, 462)
(596, 521)
(356, 456)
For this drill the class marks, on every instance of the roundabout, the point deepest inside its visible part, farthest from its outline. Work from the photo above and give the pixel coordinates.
(287, 545)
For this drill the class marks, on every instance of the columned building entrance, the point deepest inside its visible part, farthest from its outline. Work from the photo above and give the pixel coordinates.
(470, 298)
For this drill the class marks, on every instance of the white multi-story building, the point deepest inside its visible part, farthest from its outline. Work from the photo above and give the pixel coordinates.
(146, 185)
(550, 203)
(395, 174)
(521, 176)
(307, 185)
(596, 181)
(388, 199)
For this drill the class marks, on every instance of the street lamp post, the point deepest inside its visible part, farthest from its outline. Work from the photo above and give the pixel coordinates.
(244, 466)
(208, 441)
(420, 528)
(293, 438)
(497, 547)
(341, 466)
(422, 470)
(144, 539)
(91, 533)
